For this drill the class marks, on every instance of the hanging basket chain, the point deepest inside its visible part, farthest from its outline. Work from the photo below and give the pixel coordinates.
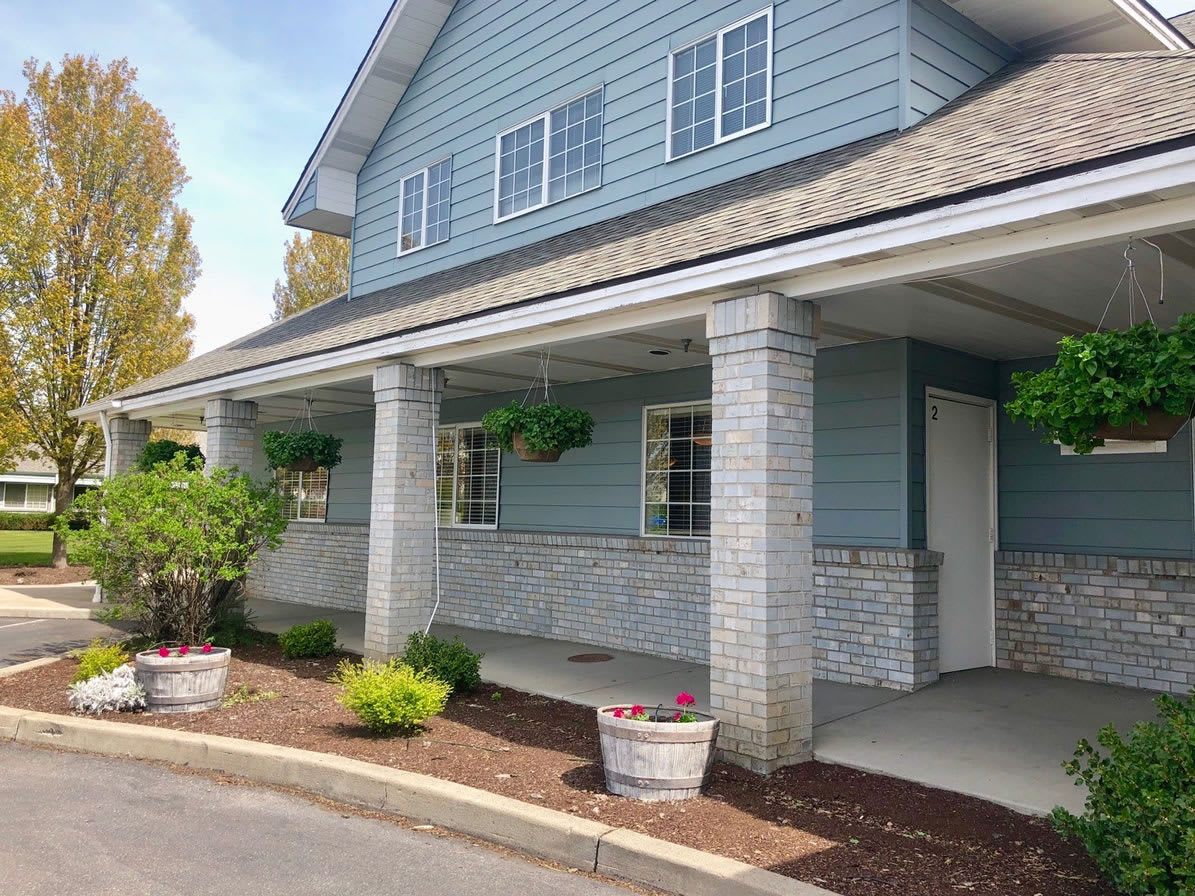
(1135, 289)
(303, 419)
(541, 377)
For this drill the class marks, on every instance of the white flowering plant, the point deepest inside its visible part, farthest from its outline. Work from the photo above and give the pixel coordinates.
(115, 691)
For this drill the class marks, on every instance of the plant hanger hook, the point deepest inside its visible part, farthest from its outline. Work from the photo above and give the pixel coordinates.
(1135, 289)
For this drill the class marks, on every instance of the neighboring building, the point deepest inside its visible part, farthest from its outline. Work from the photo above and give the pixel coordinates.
(787, 255)
(29, 487)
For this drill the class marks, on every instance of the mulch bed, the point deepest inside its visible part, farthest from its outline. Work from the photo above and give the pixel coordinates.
(43, 575)
(857, 833)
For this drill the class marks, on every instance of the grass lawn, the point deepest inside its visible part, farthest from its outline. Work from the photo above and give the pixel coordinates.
(26, 548)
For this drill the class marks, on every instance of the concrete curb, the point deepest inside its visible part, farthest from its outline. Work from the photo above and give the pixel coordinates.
(27, 665)
(47, 612)
(535, 830)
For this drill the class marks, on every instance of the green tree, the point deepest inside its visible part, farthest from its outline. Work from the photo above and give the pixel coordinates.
(314, 268)
(96, 256)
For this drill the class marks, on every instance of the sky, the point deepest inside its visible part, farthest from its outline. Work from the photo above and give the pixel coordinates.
(249, 87)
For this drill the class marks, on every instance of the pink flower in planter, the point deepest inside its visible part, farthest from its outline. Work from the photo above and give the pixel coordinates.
(676, 718)
(207, 648)
(684, 698)
(637, 710)
(184, 650)
(163, 651)
(618, 713)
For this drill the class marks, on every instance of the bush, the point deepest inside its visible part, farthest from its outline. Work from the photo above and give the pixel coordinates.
(389, 697)
(161, 451)
(450, 661)
(172, 547)
(115, 691)
(26, 522)
(98, 658)
(1139, 820)
(235, 626)
(317, 638)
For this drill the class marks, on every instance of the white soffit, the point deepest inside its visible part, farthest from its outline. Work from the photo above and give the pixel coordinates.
(405, 37)
(1038, 27)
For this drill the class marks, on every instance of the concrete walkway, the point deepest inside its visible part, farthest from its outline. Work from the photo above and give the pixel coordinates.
(48, 601)
(990, 733)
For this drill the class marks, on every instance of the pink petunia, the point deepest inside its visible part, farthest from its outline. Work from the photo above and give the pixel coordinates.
(184, 650)
(163, 651)
(637, 710)
(684, 698)
(207, 648)
(618, 713)
(676, 718)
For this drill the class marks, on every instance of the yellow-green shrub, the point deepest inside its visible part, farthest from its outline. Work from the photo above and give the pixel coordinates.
(99, 657)
(389, 697)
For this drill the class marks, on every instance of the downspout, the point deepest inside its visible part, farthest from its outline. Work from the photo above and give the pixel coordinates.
(98, 597)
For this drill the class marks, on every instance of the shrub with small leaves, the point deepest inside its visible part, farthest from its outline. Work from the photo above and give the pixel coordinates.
(115, 691)
(99, 657)
(450, 661)
(1139, 820)
(389, 697)
(160, 451)
(309, 639)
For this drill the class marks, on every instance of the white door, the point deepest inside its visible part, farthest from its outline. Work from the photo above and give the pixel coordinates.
(959, 487)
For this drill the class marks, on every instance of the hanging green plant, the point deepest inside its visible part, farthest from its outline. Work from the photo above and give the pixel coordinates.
(540, 433)
(1136, 384)
(304, 452)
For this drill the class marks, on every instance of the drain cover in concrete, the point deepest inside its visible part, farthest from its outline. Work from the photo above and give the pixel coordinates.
(590, 658)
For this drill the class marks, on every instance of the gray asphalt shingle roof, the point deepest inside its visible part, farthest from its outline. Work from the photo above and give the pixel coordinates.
(1031, 118)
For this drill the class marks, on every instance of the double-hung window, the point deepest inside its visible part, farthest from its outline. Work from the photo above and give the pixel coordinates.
(553, 156)
(720, 87)
(467, 459)
(305, 494)
(423, 207)
(25, 496)
(676, 469)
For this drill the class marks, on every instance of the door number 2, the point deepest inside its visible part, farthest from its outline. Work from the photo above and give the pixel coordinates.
(933, 412)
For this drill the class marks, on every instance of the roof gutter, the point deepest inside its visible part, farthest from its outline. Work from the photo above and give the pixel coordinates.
(1141, 174)
(1143, 15)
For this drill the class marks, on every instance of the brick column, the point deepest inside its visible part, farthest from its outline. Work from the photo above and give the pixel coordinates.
(761, 532)
(126, 440)
(231, 433)
(401, 577)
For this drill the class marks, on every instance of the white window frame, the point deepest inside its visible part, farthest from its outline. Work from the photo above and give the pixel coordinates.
(453, 524)
(25, 507)
(546, 118)
(647, 409)
(425, 171)
(720, 35)
(299, 502)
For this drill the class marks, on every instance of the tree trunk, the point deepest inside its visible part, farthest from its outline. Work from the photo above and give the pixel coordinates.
(64, 493)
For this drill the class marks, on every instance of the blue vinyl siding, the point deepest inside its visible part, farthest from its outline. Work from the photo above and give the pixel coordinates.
(932, 366)
(948, 54)
(1124, 505)
(835, 80)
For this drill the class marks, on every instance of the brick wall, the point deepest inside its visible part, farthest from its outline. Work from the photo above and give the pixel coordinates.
(323, 565)
(1118, 620)
(646, 595)
(876, 616)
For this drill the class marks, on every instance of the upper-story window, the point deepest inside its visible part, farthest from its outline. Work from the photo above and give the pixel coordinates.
(423, 207)
(720, 86)
(553, 156)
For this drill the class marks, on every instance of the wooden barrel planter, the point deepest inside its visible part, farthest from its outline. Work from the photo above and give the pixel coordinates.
(1158, 427)
(190, 683)
(535, 457)
(655, 761)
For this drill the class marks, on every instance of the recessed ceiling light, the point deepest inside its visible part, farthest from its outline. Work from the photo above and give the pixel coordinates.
(659, 351)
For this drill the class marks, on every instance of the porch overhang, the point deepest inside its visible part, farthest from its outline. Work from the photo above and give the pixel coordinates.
(1143, 196)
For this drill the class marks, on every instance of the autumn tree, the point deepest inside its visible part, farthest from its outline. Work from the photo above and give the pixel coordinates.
(96, 256)
(314, 268)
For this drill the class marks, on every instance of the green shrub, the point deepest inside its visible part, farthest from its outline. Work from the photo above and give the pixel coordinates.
(234, 625)
(389, 697)
(1139, 820)
(172, 547)
(450, 661)
(26, 522)
(159, 451)
(316, 638)
(99, 657)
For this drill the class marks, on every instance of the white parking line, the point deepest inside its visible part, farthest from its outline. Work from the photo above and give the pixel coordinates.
(27, 622)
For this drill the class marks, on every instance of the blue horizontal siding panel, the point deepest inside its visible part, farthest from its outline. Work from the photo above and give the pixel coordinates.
(306, 201)
(1136, 505)
(949, 54)
(835, 73)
